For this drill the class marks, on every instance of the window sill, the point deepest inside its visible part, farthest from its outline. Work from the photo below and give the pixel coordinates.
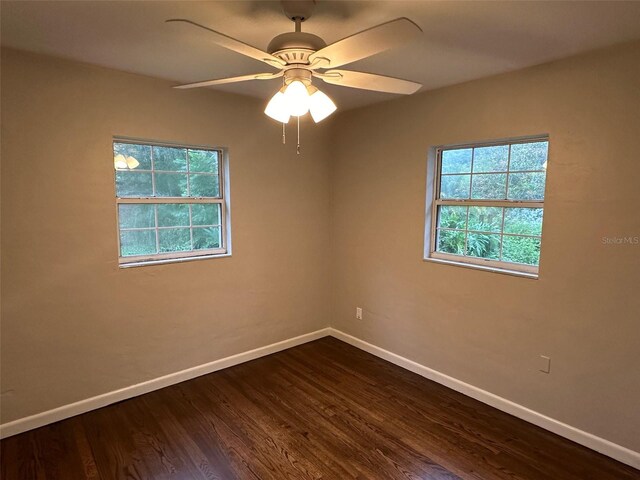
(171, 260)
(504, 271)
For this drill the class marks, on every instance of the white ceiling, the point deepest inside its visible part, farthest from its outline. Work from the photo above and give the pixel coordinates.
(462, 40)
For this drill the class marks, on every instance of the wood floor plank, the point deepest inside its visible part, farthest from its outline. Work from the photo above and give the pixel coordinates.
(346, 434)
(362, 425)
(320, 411)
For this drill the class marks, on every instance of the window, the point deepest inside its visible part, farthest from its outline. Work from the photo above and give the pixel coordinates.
(172, 202)
(487, 203)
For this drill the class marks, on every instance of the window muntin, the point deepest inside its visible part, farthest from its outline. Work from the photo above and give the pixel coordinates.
(171, 204)
(488, 204)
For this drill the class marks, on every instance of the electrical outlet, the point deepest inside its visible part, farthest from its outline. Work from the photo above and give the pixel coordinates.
(358, 313)
(545, 364)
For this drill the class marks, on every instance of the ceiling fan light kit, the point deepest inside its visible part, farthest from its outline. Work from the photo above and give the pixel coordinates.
(120, 162)
(320, 105)
(278, 107)
(297, 97)
(299, 55)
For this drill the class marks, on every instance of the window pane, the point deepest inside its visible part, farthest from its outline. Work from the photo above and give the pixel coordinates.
(521, 249)
(203, 161)
(490, 215)
(451, 241)
(485, 219)
(171, 185)
(171, 159)
(204, 186)
(491, 159)
(454, 186)
(528, 156)
(526, 221)
(173, 215)
(133, 184)
(134, 215)
(526, 186)
(171, 177)
(453, 217)
(142, 153)
(456, 161)
(483, 245)
(174, 239)
(206, 237)
(489, 186)
(205, 214)
(137, 242)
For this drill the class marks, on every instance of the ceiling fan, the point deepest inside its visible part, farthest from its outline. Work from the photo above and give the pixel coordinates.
(300, 57)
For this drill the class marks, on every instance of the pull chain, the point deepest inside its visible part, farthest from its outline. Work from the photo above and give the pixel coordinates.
(284, 133)
(298, 148)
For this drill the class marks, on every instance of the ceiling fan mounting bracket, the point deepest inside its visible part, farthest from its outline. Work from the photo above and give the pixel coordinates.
(298, 9)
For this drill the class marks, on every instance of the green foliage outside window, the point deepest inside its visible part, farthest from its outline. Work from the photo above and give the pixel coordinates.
(153, 227)
(494, 173)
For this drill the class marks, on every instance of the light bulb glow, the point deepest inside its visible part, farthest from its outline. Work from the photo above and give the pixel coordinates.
(132, 163)
(119, 162)
(297, 98)
(278, 108)
(320, 106)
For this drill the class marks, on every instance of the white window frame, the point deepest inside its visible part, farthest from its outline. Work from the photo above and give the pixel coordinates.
(434, 167)
(223, 200)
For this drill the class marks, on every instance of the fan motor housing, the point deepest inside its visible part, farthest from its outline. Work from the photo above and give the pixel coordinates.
(295, 47)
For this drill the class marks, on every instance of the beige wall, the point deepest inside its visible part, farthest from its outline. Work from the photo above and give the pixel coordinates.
(484, 328)
(74, 325)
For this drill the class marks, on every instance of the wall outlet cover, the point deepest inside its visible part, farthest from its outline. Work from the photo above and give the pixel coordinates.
(544, 364)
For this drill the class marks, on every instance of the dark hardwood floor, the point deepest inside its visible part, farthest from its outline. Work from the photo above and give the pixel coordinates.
(324, 410)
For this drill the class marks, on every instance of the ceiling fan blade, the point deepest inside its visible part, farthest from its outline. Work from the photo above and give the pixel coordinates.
(236, 45)
(220, 81)
(369, 81)
(369, 42)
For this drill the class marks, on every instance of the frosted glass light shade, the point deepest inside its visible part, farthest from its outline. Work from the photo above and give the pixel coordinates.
(132, 163)
(119, 162)
(297, 98)
(320, 106)
(278, 108)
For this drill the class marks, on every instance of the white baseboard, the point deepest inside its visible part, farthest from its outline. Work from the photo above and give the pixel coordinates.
(593, 442)
(83, 406)
(613, 450)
